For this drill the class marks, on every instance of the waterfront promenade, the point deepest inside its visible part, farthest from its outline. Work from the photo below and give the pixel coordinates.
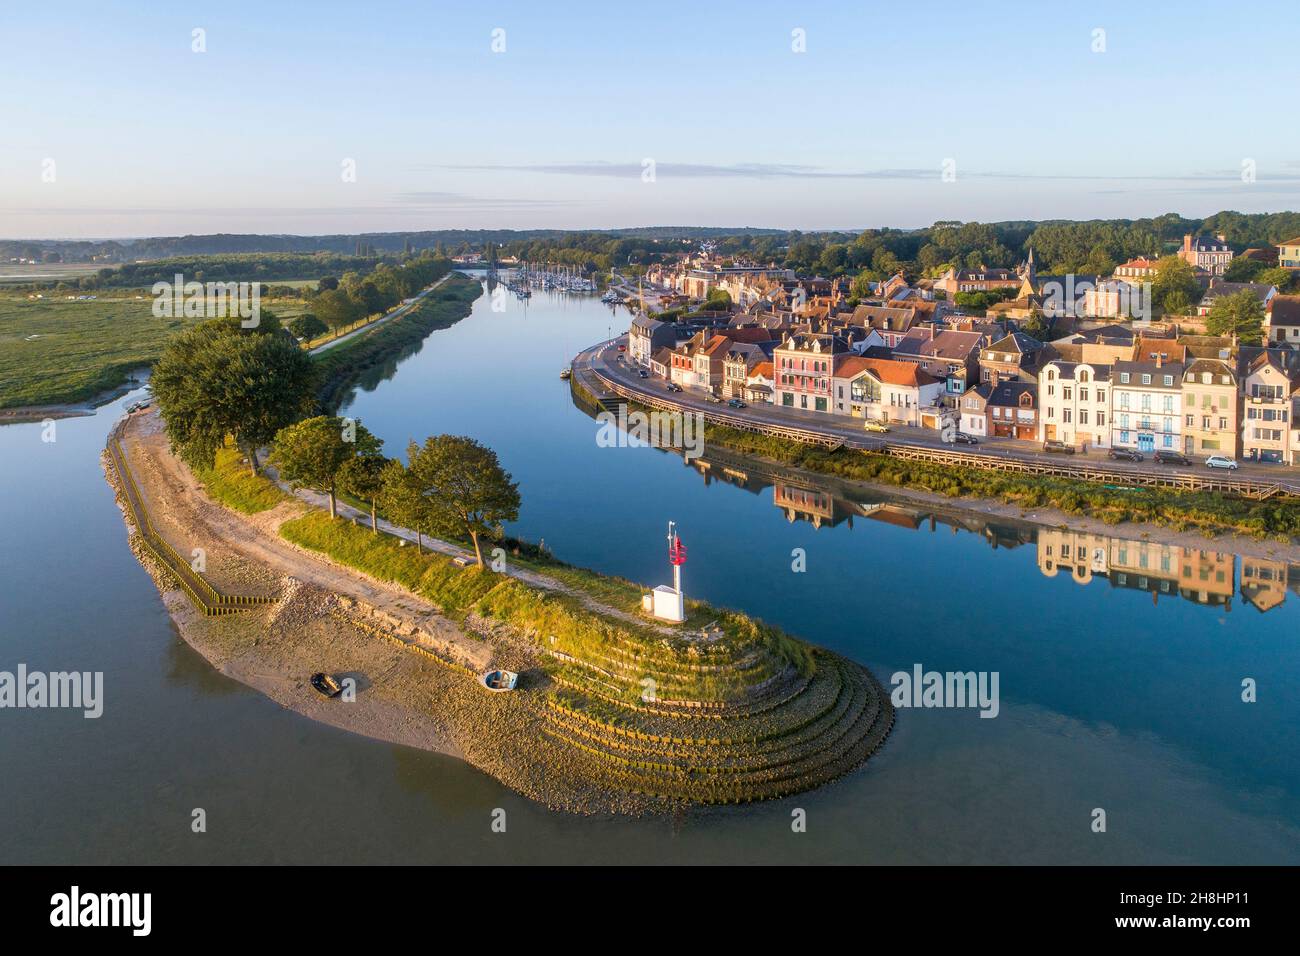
(605, 367)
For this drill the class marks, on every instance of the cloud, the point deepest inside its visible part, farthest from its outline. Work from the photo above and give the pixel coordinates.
(614, 170)
(418, 201)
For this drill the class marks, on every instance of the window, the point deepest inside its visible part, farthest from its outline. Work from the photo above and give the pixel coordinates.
(1067, 392)
(1083, 394)
(1101, 394)
(1146, 378)
(1191, 420)
(1101, 419)
(1065, 415)
(1169, 380)
(1123, 377)
(1083, 416)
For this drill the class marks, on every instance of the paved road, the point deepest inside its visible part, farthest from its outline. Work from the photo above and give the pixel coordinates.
(605, 358)
(399, 311)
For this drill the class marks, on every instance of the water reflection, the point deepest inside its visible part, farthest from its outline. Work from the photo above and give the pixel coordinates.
(1165, 570)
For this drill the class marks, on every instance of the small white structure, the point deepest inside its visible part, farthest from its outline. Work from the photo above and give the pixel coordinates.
(669, 604)
(665, 602)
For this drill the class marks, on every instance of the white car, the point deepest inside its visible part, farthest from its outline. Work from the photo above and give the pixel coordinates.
(1220, 461)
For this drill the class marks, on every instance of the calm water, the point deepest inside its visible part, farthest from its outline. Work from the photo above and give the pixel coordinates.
(1120, 674)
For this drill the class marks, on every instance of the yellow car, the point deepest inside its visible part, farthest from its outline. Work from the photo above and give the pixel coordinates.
(876, 427)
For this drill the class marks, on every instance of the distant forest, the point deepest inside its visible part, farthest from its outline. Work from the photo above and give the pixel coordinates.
(1091, 247)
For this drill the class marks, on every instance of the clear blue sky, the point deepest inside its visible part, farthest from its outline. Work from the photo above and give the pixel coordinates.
(148, 137)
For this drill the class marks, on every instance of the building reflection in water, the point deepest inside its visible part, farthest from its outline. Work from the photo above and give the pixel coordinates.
(1202, 576)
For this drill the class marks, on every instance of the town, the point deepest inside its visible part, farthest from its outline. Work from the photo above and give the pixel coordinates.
(1074, 364)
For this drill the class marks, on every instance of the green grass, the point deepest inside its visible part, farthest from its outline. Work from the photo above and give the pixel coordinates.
(555, 621)
(230, 482)
(53, 350)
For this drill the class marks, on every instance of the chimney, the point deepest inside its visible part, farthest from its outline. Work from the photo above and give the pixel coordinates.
(1187, 242)
(1160, 360)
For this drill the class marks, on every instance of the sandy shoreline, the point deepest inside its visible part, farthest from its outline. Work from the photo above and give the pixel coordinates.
(415, 670)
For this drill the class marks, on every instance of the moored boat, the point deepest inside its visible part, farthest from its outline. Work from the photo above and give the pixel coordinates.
(499, 681)
(565, 373)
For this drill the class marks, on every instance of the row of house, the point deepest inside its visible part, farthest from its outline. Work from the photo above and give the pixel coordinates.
(905, 356)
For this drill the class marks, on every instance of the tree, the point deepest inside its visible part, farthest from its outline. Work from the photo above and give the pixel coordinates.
(1175, 286)
(468, 490)
(308, 327)
(362, 475)
(312, 453)
(1244, 269)
(1277, 276)
(1240, 314)
(403, 502)
(217, 379)
(335, 308)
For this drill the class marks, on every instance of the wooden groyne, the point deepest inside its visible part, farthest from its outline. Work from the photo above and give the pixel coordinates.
(211, 601)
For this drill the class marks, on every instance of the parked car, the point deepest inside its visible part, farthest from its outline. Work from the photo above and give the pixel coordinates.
(961, 438)
(1221, 461)
(1058, 447)
(622, 348)
(643, 373)
(1126, 454)
(736, 403)
(713, 399)
(1171, 458)
(877, 427)
(674, 387)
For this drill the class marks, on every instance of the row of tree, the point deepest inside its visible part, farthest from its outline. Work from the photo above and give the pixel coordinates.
(217, 380)
(339, 302)
(450, 486)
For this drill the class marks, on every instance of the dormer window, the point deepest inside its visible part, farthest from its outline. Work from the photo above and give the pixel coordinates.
(1146, 378)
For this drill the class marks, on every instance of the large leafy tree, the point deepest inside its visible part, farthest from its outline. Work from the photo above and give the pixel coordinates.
(403, 502)
(312, 453)
(362, 475)
(1175, 287)
(218, 379)
(1240, 314)
(468, 490)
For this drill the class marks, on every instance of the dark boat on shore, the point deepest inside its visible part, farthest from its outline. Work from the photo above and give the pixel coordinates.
(326, 685)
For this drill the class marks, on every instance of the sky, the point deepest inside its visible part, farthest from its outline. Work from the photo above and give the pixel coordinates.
(381, 116)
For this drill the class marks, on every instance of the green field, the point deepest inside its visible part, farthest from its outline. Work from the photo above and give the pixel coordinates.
(56, 350)
(53, 350)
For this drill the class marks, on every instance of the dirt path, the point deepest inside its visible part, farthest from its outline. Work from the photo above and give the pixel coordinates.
(188, 519)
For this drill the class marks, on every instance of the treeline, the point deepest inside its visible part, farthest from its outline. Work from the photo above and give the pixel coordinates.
(341, 301)
(258, 267)
(341, 367)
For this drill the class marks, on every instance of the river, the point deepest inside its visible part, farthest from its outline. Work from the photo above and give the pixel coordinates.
(1120, 674)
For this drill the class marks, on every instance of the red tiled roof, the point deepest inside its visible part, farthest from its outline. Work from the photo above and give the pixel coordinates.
(887, 370)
